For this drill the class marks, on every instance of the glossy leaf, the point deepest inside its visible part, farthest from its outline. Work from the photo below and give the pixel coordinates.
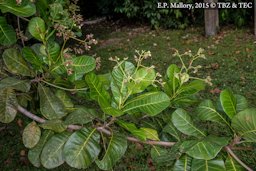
(50, 106)
(7, 33)
(99, 93)
(31, 135)
(82, 148)
(245, 124)
(15, 63)
(241, 103)
(10, 82)
(172, 82)
(34, 153)
(119, 81)
(55, 125)
(8, 103)
(232, 165)
(142, 78)
(211, 165)
(150, 103)
(183, 164)
(82, 65)
(172, 130)
(24, 10)
(115, 150)
(207, 112)
(165, 156)
(183, 122)
(36, 28)
(40, 51)
(206, 148)
(52, 153)
(151, 134)
(192, 87)
(32, 58)
(64, 98)
(81, 116)
(228, 103)
(53, 50)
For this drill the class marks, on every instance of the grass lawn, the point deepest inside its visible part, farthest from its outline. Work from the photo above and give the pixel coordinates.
(231, 62)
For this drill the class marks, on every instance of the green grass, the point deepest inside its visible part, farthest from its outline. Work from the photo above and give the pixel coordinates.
(231, 55)
(231, 62)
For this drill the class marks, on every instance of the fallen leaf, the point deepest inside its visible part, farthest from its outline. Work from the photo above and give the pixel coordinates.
(20, 123)
(215, 91)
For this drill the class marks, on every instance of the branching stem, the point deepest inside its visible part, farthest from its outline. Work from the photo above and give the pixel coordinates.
(129, 138)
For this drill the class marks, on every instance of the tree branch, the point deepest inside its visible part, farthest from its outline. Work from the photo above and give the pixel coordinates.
(129, 138)
(228, 149)
(100, 129)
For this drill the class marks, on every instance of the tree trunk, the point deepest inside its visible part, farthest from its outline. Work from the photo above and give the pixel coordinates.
(211, 19)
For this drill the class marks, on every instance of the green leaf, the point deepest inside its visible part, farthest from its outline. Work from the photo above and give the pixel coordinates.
(151, 134)
(52, 153)
(183, 122)
(81, 116)
(10, 82)
(183, 164)
(172, 81)
(172, 130)
(232, 165)
(32, 58)
(40, 51)
(131, 127)
(241, 103)
(82, 65)
(24, 10)
(55, 125)
(64, 98)
(206, 148)
(116, 149)
(245, 124)
(82, 148)
(99, 93)
(50, 106)
(211, 165)
(207, 112)
(15, 63)
(192, 87)
(165, 156)
(31, 135)
(34, 153)
(7, 33)
(8, 103)
(42, 8)
(228, 103)
(53, 50)
(119, 81)
(36, 28)
(142, 78)
(150, 103)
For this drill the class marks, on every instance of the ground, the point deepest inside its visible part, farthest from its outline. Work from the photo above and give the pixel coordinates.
(231, 62)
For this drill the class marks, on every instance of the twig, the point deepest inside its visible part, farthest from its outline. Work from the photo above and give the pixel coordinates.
(18, 21)
(132, 139)
(228, 149)
(25, 19)
(242, 148)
